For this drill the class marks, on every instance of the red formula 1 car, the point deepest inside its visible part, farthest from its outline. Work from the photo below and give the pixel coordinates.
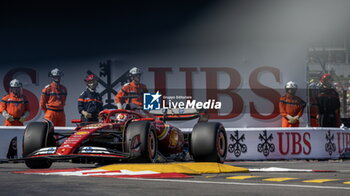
(133, 136)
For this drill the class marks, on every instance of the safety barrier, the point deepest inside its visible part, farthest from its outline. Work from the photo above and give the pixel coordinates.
(243, 143)
(287, 143)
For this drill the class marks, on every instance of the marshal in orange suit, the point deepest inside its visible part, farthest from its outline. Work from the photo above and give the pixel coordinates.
(291, 106)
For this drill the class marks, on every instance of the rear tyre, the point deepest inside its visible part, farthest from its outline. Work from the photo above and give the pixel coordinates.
(36, 136)
(208, 142)
(141, 142)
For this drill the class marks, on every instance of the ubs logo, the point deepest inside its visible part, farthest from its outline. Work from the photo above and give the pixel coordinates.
(266, 147)
(237, 147)
(330, 146)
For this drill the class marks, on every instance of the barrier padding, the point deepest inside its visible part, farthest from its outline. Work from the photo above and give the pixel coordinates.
(184, 168)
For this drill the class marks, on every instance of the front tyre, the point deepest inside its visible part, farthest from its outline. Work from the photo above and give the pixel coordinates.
(209, 142)
(36, 136)
(141, 142)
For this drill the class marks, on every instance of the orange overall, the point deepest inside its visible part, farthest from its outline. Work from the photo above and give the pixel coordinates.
(291, 105)
(134, 90)
(52, 102)
(15, 106)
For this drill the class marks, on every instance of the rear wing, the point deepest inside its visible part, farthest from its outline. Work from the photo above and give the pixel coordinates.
(180, 114)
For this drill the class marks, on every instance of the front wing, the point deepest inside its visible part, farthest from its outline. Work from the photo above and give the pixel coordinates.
(82, 152)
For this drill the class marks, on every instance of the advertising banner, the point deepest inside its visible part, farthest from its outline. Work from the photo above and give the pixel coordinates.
(249, 95)
(284, 143)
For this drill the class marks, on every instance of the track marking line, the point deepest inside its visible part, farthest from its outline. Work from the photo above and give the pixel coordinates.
(242, 183)
(280, 169)
(278, 179)
(241, 177)
(320, 180)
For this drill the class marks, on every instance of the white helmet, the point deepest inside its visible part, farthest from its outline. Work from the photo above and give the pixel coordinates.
(135, 71)
(15, 83)
(56, 72)
(291, 84)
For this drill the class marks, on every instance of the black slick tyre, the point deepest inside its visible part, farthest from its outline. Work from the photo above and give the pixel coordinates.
(208, 142)
(141, 142)
(36, 136)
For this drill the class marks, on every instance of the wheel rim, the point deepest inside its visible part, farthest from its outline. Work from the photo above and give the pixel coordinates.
(220, 144)
(151, 140)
